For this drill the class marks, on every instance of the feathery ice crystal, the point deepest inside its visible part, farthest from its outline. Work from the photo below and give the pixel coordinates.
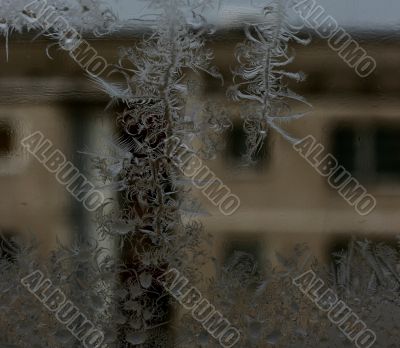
(260, 76)
(151, 222)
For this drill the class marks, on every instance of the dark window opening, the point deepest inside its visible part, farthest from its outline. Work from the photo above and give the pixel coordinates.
(340, 245)
(368, 85)
(212, 85)
(369, 152)
(343, 147)
(236, 147)
(387, 152)
(5, 138)
(8, 248)
(246, 245)
(316, 82)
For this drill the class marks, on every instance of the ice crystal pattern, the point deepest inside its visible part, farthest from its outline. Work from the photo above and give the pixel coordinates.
(260, 77)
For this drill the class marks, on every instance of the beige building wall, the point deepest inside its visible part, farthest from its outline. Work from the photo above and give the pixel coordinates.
(283, 203)
(288, 202)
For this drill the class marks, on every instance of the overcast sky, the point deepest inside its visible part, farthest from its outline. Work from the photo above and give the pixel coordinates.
(366, 14)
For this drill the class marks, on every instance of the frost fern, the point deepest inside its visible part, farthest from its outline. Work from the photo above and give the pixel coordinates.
(260, 77)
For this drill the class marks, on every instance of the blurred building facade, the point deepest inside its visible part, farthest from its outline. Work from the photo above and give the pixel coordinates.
(43, 89)
(284, 201)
